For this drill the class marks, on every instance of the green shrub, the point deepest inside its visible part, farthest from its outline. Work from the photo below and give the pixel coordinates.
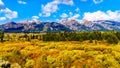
(29, 63)
(112, 39)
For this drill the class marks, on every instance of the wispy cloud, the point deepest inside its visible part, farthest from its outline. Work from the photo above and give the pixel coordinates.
(22, 2)
(1, 3)
(40, 14)
(64, 15)
(2, 18)
(97, 1)
(67, 2)
(77, 9)
(57, 20)
(76, 16)
(71, 14)
(35, 17)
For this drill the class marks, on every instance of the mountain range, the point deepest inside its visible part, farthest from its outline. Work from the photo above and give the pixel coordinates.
(63, 25)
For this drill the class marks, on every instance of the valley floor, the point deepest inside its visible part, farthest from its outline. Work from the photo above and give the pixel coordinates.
(39, 54)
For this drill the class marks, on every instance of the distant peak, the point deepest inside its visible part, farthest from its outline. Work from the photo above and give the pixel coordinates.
(11, 22)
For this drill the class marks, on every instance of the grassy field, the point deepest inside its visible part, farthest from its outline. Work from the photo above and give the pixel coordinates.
(67, 54)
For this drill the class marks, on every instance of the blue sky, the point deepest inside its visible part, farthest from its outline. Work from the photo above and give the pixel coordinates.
(55, 10)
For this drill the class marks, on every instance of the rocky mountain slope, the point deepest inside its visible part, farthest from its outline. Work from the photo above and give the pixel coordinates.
(85, 25)
(63, 25)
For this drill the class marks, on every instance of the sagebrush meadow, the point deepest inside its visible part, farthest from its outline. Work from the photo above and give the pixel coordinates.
(60, 50)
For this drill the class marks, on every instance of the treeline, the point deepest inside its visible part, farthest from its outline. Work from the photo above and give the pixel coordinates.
(1, 36)
(110, 36)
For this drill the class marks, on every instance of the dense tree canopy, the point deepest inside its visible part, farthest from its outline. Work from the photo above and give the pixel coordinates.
(1, 35)
(111, 37)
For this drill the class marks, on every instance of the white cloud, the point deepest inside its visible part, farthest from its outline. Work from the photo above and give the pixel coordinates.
(52, 7)
(97, 1)
(71, 14)
(35, 17)
(6, 10)
(21, 2)
(77, 9)
(2, 18)
(67, 2)
(1, 3)
(76, 16)
(99, 15)
(7, 13)
(40, 14)
(11, 15)
(47, 14)
(57, 19)
(64, 15)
